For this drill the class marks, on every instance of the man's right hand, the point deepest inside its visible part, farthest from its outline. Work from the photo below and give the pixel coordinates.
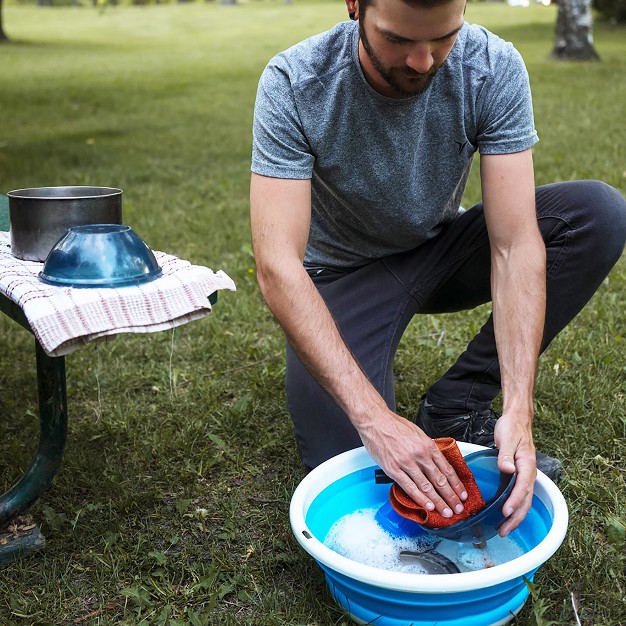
(413, 460)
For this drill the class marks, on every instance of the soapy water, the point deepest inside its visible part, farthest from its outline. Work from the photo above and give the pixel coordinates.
(360, 538)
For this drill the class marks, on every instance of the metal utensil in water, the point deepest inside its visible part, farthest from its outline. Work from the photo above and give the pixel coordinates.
(431, 561)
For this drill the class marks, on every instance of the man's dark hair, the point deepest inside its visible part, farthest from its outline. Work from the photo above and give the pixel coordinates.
(363, 4)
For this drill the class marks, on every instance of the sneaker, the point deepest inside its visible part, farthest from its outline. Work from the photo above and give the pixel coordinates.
(474, 427)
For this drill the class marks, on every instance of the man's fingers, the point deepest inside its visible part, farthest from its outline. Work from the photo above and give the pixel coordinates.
(422, 492)
(506, 462)
(517, 513)
(519, 502)
(421, 495)
(443, 489)
(450, 476)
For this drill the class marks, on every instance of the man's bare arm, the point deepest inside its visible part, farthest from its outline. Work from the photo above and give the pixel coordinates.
(280, 221)
(518, 284)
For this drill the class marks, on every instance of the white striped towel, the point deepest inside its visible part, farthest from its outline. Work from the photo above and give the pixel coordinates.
(64, 318)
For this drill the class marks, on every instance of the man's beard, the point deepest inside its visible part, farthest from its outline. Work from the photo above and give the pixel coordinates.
(405, 81)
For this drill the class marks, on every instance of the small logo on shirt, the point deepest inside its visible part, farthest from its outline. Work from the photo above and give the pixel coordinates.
(461, 145)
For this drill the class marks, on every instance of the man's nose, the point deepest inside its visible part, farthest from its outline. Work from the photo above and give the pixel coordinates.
(420, 58)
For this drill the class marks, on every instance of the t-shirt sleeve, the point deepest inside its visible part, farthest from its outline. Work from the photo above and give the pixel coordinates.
(279, 145)
(505, 112)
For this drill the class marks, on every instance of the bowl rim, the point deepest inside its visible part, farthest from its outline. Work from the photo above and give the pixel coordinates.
(357, 459)
(96, 230)
(93, 283)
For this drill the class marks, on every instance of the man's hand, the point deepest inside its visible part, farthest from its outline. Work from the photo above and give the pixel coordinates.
(513, 437)
(414, 461)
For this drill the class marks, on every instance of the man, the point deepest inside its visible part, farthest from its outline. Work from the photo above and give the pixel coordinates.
(363, 141)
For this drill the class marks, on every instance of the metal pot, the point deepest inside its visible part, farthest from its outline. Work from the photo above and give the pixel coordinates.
(40, 216)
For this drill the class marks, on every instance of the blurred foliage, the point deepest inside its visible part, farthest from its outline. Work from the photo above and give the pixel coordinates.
(612, 10)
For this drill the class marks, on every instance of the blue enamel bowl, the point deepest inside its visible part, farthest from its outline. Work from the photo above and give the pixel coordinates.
(100, 255)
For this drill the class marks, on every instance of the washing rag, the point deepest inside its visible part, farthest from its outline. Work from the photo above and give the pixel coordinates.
(405, 506)
(64, 318)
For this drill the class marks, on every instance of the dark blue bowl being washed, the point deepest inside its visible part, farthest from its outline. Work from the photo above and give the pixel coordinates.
(100, 255)
(495, 488)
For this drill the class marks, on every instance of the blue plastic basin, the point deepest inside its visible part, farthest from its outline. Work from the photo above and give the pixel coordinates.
(488, 597)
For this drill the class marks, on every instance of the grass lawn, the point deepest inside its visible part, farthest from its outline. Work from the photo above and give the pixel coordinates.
(171, 506)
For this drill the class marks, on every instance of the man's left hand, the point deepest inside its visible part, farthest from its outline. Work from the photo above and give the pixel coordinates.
(514, 439)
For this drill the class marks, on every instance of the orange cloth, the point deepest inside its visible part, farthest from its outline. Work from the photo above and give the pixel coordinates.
(405, 506)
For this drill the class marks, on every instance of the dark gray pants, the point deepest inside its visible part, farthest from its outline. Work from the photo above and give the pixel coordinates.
(583, 224)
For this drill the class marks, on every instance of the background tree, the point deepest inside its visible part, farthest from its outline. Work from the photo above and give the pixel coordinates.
(573, 36)
(3, 36)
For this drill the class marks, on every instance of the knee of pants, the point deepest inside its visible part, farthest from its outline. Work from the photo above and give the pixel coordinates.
(597, 213)
(606, 209)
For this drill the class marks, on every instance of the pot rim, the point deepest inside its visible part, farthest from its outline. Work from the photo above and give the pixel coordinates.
(89, 191)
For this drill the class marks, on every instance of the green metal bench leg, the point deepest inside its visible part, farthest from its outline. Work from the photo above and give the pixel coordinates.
(53, 431)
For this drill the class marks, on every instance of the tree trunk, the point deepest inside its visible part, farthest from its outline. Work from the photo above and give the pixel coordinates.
(3, 36)
(573, 38)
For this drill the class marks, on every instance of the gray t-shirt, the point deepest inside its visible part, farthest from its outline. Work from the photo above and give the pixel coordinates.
(385, 173)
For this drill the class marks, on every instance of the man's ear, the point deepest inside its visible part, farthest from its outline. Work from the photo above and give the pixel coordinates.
(353, 9)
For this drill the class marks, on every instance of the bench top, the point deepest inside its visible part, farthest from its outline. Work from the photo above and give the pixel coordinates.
(62, 319)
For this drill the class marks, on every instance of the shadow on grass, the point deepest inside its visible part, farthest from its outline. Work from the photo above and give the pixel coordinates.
(47, 46)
